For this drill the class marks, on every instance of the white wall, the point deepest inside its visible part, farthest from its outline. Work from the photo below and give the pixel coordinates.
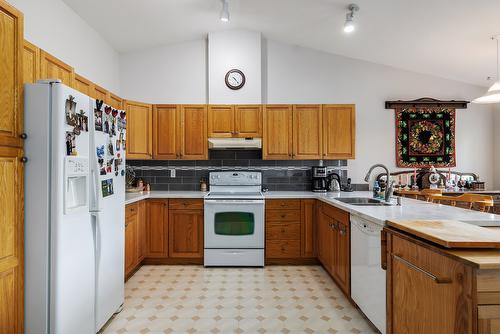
(300, 75)
(234, 49)
(170, 74)
(294, 74)
(56, 28)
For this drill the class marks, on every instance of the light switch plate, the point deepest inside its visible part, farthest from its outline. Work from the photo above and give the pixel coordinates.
(172, 172)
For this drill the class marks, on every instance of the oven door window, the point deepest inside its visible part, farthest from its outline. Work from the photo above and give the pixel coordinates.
(234, 223)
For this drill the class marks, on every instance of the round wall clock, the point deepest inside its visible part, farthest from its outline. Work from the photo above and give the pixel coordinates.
(235, 79)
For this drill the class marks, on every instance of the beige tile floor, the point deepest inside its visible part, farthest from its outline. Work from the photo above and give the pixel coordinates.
(276, 299)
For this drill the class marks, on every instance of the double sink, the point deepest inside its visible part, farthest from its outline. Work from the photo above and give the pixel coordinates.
(363, 201)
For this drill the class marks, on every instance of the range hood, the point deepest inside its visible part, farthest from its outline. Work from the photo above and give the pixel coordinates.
(235, 143)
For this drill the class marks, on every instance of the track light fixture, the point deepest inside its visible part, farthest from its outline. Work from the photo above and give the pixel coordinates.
(224, 13)
(349, 24)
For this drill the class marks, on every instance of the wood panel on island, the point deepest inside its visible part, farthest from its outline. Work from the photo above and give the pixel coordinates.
(434, 289)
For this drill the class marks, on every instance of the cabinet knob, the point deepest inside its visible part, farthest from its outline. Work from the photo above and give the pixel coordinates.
(24, 159)
(23, 136)
(282, 230)
(283, 216)
(132, 210)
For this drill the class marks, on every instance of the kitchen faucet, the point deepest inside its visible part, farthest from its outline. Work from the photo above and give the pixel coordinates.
(389, 184)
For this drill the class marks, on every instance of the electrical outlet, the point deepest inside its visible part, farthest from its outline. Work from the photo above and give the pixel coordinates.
(172, 172)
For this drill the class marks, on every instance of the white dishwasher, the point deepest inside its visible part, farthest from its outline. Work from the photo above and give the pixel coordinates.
(367, 276)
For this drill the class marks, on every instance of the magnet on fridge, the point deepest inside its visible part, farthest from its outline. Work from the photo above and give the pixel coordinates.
(98, 119)
(70, 143)
(101, 162)
(102, 171)
(76, 130)
(114, 112)
(111, 151)
(82, 121)
(106, 125)
(107, 187)
(107, 110)
(117, 146)
(123, 172)
(98, 104)
(116, 173)
(100, 151)
(118, 154)
(70, 109)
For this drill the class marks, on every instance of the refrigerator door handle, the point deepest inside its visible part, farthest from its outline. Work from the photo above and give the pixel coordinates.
(95, 192)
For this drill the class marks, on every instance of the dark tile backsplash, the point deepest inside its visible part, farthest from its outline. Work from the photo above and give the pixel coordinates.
(278, 175)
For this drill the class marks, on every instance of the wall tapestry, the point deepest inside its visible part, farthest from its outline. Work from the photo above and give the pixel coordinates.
(425, 133)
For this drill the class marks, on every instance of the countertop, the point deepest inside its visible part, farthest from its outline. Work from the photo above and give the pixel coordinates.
(410, 209)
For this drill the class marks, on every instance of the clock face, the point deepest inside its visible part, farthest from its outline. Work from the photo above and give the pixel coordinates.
(235, 79)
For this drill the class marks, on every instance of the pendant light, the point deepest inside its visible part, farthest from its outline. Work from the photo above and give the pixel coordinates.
(224, 13)
(493, 93)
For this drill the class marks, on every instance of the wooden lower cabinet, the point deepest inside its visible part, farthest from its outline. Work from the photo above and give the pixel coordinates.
(131, 238)
(185, 233)
(432, 290)
(288, 225)
(333, 241)
(157, 229)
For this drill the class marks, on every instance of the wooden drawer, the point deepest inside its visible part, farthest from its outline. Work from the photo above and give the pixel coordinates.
(430, 262)
(188, 204)
(283, 231)
(130, 210)
(283, 215)
(291, 204)
(283, 248)
(335, 213)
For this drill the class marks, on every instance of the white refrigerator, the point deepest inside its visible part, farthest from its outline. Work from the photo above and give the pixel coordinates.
(74, 210)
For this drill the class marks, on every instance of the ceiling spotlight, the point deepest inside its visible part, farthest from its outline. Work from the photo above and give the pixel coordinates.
(224, 13)
(349, 24)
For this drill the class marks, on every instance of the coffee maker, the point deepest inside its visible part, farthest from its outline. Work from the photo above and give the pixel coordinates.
(319, 180)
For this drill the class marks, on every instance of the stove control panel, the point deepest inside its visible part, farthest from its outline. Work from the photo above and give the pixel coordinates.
(235, 178)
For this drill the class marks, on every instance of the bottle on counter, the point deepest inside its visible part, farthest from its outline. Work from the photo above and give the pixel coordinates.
(376, 189)
(203, 184)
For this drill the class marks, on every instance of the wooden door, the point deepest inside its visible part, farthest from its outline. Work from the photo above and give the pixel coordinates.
(83, 85)
(53, 68)
(277, 134)
(307, 132)
(194, 140)
(157, 229)
(339, 131)
(31, 63)
(11, 240)
(325, 241)
(115, 101)
(221, 121)
(185, 234)
(11, 75)
(139, 130)
(308, 228)
(166, 132)
(342, 262)
(427, 292)
(100, 93)
(142, 221)
(131, 255)
(248, 121)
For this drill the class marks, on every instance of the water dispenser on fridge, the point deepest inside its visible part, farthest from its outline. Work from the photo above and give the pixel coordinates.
(76, 171)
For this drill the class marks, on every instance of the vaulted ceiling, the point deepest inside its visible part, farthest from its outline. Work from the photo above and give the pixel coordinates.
(447, 38)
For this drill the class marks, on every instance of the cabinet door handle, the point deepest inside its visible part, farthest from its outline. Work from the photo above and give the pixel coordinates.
(23, 136)
(24, 160)
(414, 267)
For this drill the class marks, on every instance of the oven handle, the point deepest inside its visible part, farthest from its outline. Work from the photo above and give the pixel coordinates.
(234, 201)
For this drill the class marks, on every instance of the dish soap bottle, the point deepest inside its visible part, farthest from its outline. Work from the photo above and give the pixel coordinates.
(376, 189)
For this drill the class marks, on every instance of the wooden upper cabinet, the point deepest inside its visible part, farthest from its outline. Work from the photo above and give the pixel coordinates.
(100, 93)
(11, 75)
(248, 121)
(277, 139)
(166, 132)
(115, 101)
(83, 85)
(53, 68)
(194, 139)
(139, 130)
(339, 131)
(307, 138)
(31, 63)
(11, 239)
(221, 121)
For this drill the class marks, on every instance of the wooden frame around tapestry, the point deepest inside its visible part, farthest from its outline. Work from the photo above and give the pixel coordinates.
(425, 132)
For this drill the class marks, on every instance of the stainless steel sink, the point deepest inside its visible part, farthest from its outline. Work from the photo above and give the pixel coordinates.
(363, 201)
